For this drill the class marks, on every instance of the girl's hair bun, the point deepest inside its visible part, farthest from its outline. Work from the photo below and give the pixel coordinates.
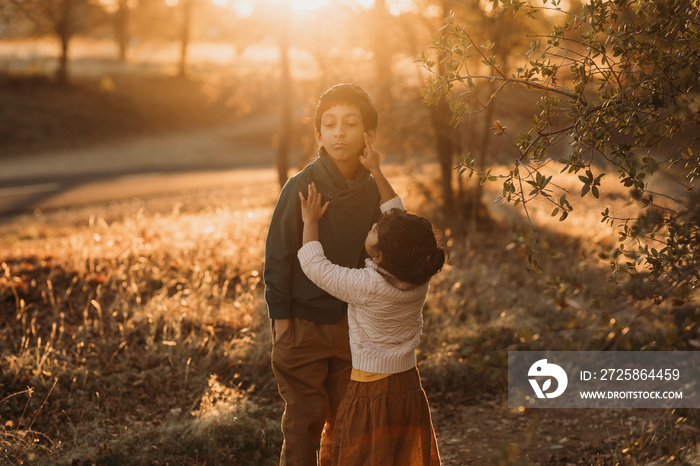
(409, 247)
(436, 260)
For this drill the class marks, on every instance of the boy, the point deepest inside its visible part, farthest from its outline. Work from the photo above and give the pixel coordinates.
(310, 352)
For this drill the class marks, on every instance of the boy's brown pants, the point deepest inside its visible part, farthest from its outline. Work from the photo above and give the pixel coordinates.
(312, 364)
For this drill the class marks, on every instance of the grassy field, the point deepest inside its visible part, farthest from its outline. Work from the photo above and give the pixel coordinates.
(129, 329)
(136, 333)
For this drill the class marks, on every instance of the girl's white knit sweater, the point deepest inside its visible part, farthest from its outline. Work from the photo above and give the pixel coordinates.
(384, 314)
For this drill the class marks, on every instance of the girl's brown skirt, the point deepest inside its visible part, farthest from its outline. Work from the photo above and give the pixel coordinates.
(384, 423)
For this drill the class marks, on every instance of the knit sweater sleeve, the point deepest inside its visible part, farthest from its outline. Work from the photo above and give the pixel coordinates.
(346, 284)
(395, 203)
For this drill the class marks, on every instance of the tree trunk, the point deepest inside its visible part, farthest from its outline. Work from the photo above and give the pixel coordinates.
(382, 55)
(121, 29)
(440, 116)
(486, 135)
(285, 131)
(64, 30)
(444, 136)
(185, 35)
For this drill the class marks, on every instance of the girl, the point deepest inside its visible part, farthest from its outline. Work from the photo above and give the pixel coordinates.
(384, 418)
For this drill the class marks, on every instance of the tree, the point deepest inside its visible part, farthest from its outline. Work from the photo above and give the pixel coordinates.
(446, 144)
(121, 28)
(64, 18)
(619, 81)
(185, 35)
(482, 21)
(285, 134)
(383, 54)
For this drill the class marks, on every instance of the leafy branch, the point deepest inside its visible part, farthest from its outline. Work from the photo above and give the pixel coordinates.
(618, 78)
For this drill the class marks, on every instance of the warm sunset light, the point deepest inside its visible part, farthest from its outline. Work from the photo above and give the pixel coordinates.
(308, 4)
(395, 6)
(191, 270)
(245, 7)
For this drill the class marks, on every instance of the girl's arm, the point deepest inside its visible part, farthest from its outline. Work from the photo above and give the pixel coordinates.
(370, 160)
(344, 283)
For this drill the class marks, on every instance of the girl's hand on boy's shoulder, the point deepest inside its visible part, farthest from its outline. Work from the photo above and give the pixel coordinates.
(369, 157)
(312, 207)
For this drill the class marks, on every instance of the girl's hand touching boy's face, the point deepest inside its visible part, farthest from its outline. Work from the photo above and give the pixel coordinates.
(312, 207)
(370, 157)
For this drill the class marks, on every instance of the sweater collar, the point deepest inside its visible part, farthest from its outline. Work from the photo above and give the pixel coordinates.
(335, 175)
(391, 279)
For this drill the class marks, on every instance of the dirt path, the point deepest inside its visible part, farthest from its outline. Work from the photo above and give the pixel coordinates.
(212, 148)
(489, 433)
(137, 167)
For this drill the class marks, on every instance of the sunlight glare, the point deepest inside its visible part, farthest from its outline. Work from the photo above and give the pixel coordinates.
(308, 5)
(245, 7)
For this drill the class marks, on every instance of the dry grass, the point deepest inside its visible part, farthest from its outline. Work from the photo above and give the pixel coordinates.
(142, 330)
(137, 332)
(125, 322)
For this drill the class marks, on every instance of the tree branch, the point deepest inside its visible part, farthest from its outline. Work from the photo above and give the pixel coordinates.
(525, 82)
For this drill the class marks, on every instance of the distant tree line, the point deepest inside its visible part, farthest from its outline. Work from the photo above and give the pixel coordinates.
(331, 35)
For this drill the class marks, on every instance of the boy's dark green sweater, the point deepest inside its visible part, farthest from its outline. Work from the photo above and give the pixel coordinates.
(353, 209)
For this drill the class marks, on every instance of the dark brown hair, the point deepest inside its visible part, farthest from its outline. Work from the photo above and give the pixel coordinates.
(348, 94)
(409, 248)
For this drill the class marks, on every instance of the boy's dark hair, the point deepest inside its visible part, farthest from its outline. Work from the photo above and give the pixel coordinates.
(409, 247)
(348, 94)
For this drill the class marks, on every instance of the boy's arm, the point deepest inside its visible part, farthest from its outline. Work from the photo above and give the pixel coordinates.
(370, 160)
(283, 240)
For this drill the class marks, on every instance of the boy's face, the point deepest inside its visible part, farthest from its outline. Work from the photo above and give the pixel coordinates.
(342, 133)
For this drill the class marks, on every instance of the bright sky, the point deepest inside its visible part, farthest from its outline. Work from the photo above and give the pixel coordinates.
(245, 7)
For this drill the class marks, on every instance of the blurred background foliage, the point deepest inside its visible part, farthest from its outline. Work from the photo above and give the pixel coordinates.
(619, 88)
